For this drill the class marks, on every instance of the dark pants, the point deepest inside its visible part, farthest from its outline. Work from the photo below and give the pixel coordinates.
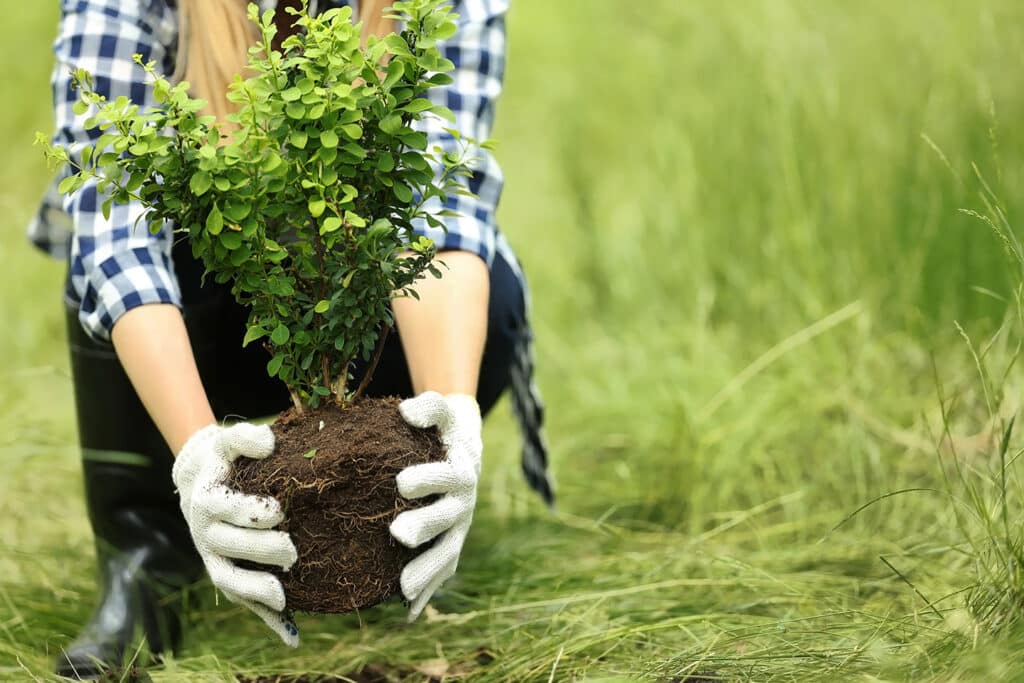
(132, 505)
(238, 384)
(111, 418)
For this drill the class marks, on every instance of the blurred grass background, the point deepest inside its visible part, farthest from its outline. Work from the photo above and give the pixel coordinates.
(742, 227)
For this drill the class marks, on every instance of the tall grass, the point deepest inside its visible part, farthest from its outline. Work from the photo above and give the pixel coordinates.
(778, 457)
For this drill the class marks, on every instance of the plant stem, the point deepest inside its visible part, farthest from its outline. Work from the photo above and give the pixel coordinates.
(372, 367)
(296, 401)
(340, 385)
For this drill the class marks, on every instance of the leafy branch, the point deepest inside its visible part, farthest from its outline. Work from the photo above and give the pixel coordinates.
(306, 199)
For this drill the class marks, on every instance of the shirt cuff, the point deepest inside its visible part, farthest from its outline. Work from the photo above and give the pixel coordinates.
(471, 233)
(125, 281)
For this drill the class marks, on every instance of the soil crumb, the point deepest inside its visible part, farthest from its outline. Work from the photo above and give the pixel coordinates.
(333, 471)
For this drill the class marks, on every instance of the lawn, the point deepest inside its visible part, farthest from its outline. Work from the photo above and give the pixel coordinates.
(777, 323)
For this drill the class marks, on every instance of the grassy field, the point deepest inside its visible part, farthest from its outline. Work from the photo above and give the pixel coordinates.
(777, 353)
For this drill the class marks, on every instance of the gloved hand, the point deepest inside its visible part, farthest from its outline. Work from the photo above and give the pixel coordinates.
(226, 524)
(457, 417)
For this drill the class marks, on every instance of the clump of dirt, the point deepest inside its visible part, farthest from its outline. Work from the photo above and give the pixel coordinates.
(333, 471)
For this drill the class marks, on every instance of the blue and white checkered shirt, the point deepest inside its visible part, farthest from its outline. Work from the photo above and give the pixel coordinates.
(116, 265)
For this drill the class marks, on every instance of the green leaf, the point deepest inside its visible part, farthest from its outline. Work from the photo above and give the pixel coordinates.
(329, 138)
(328, 154)
(231, 239)
(444, 112)
(310, 453)
(240, 255)
(70, 184)
(355, 219)
(280, 335)
(355, 150)
(352, 130)
(295, 110)
(80, 107)
(136, 181)
(403, 192)
(298, 138)
(350, 193)
(415, 160)
(418, 105)
(416, 139)
(252, 333)
(380, 227)
(396, 69)
(330, 224)
(271, 162)
(446, 30)
(391, 124)
(291, 94)
(238, 210)
(214, 221)
(385, 163)
(397, 45)
(275, 364)
(322, 306)
(200, 182)
(316, 207)
(350, 116)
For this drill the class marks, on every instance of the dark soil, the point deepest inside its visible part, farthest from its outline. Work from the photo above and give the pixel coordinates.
(337, 487)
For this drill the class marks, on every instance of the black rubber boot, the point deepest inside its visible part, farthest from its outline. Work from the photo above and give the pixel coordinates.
(143, 546)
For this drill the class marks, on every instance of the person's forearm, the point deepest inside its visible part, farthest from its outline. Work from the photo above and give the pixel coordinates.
(443, 333)
(152, 344)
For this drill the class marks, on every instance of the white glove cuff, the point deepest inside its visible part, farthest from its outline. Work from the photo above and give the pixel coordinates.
(465, 407)
(197, 443)
(468, 423)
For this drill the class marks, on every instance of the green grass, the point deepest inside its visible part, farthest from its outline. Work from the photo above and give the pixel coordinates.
(742, 225)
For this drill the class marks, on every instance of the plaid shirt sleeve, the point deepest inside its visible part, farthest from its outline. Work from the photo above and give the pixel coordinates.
(116, 264)
(478, 52)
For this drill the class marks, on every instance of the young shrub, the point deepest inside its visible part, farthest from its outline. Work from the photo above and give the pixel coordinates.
(305, 200)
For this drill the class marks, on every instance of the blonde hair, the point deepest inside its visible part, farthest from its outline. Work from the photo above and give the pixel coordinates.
(214, 38)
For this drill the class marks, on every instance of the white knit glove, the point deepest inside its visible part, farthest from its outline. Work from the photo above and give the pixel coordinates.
(228, 524)
(457, 417)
